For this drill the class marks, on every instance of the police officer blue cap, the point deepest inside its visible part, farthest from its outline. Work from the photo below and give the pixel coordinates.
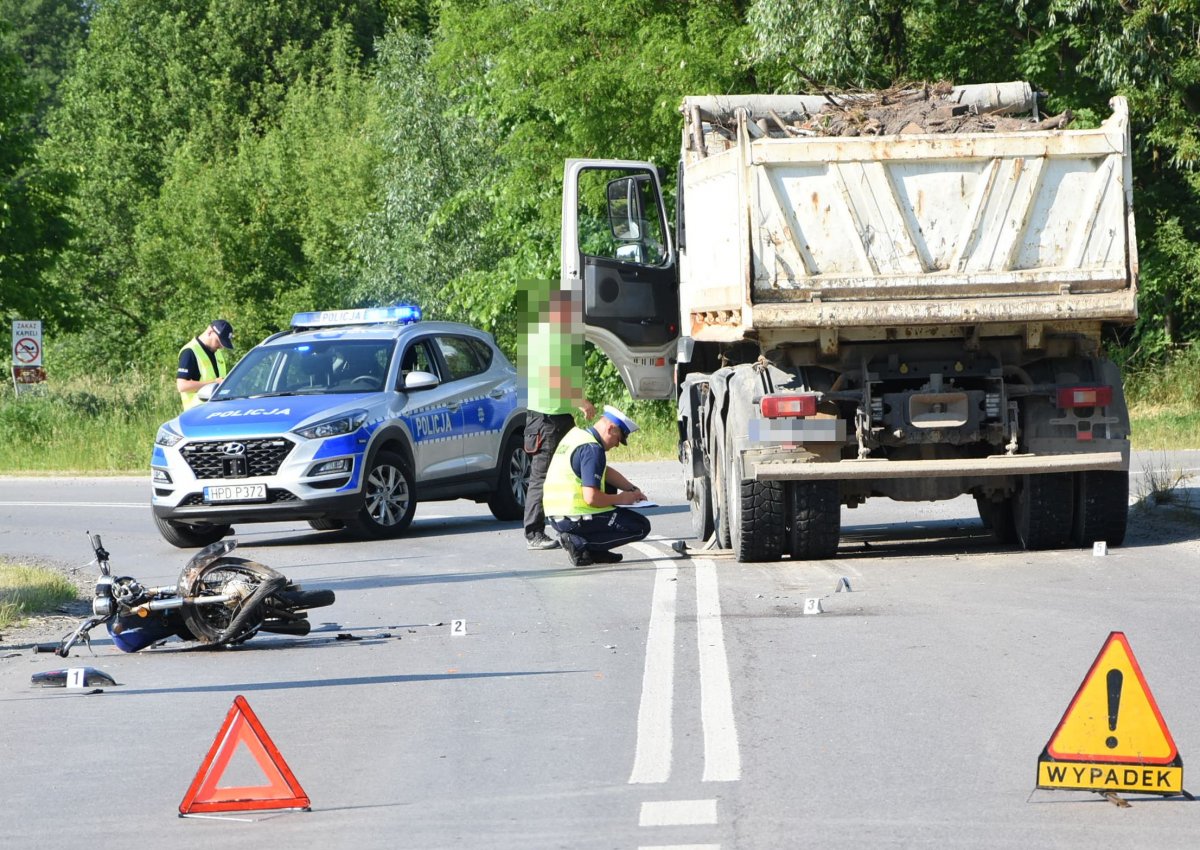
(224, 332)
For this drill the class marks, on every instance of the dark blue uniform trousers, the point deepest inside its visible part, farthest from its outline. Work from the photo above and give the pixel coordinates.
(602, 532)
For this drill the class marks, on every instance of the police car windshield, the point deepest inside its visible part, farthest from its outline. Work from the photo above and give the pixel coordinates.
(309, 367)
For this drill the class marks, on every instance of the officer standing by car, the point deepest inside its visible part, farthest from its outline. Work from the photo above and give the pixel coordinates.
(584, 495)
(554, 372)
(203, 361)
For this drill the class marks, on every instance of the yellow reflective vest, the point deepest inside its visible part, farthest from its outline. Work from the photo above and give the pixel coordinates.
(563, 494)
(204, 364)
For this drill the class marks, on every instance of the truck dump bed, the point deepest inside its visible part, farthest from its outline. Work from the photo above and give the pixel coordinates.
(804, 237)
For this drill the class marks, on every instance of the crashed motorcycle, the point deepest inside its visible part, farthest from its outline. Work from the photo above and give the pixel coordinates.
(219, 600)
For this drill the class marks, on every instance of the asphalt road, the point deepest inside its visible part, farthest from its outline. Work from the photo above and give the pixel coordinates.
(663, 702)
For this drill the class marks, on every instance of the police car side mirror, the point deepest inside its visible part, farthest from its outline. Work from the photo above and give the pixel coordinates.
(206, 391)
(420, 380)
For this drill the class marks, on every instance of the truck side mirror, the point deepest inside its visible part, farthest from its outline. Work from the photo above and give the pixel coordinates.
(624, 209)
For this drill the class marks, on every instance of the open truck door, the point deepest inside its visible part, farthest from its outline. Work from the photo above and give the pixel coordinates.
(617, 249)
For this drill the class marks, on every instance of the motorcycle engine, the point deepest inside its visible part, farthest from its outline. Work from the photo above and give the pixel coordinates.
(127, 592)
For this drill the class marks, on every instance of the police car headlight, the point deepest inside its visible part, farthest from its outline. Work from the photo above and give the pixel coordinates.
(345, 424)
(166, 437)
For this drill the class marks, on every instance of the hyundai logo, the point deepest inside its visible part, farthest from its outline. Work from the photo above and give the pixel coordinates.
(234, 449)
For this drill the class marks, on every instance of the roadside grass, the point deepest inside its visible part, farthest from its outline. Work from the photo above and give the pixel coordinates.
(1162, 483)
(1156, 429)
(26, 590)
(1164, 402)
(85, 426)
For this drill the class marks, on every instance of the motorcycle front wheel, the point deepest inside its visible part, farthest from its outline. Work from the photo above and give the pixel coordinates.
(247, 582)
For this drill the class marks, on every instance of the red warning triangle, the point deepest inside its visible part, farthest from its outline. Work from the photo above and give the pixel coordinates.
(1113, 717)
(281, 790)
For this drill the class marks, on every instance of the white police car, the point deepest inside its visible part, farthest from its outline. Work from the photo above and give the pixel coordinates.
(349, 418)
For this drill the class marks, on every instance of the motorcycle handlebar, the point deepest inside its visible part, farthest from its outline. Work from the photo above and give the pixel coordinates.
(98, 548)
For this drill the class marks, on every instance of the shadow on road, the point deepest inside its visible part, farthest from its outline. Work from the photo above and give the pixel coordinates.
(421, 528)
(243, 687)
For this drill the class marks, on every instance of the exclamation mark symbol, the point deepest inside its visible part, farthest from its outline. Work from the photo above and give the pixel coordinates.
(1115, 679)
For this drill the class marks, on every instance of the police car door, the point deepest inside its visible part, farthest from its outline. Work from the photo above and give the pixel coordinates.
(489, 396)
(433, 415)
(617, 248)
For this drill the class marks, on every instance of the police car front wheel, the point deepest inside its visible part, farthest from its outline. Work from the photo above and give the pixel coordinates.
(186, 536)
(508, 502)
(389, 498)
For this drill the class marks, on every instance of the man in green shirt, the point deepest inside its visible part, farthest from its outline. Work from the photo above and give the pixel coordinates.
(554, 371)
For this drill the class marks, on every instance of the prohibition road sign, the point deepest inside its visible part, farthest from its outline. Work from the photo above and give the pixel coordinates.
(27, 350)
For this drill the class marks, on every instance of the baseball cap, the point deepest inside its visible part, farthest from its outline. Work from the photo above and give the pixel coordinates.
(224, 332)
(627, 425)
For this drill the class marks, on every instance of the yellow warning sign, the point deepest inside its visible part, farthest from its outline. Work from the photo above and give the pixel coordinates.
(1112, 736)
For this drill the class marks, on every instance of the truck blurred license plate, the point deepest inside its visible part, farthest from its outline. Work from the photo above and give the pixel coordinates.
(236, 493)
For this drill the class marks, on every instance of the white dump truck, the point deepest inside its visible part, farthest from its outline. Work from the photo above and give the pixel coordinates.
(902, 313)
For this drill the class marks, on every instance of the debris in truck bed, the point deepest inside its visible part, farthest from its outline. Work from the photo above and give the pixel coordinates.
(899, 110)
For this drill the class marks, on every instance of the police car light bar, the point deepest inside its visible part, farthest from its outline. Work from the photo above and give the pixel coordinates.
(401, 314)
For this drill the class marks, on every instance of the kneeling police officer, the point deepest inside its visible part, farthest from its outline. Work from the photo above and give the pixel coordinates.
(584, 495)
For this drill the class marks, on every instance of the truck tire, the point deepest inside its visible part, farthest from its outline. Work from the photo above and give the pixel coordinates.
(720, 499)
(1101, 507)
(1042, 510)
(997, 517)
(816, 520)
(183, 535)
(700, 498)
(756, 518)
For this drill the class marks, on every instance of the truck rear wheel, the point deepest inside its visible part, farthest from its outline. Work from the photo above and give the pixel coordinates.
(816, 520)
(756, 518)
(997, 517)
(1042, 510)
(1101, 507)
(720, 499)
(700, 498)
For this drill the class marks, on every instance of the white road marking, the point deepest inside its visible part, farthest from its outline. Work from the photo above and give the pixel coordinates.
(679, 847)
(141, 505)
(722, 758)
(652, 760)
(678, 812)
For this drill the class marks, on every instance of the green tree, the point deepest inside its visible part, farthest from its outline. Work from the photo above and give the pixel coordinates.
(553, 79)
(809, 45)
(47, 34)
(164, 85)
(266, 231)
(430, 227)
(30, 230)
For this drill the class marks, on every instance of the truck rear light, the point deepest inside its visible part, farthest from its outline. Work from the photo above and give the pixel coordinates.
(780, 406)
(1069, 397)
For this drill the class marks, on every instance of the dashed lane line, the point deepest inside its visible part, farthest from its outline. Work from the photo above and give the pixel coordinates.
(678, 813)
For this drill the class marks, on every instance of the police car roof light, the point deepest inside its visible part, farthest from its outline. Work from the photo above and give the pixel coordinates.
(400, 314)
